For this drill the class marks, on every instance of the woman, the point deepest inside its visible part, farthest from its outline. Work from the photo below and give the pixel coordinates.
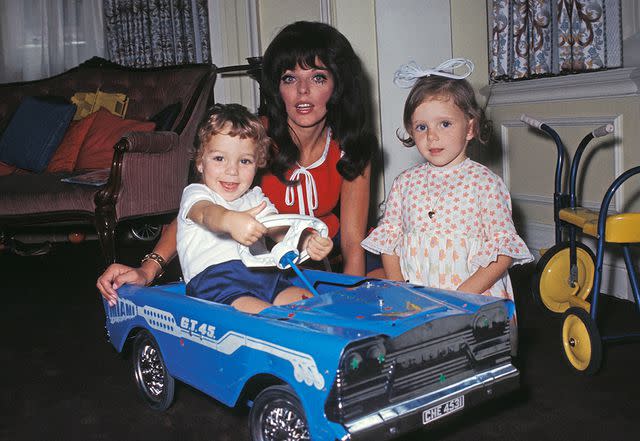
(314, 100)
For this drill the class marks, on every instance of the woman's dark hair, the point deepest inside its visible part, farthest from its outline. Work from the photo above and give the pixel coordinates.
(463, 96)
(299, 44)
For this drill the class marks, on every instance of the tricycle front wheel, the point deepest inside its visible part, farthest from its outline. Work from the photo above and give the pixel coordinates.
(581, 343)
(277, 414)
(551, 287)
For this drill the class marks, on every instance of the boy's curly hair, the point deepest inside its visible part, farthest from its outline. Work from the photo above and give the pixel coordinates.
(232, 120)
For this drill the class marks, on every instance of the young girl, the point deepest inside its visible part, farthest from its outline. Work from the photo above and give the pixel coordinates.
(447, 222)
(223, 211)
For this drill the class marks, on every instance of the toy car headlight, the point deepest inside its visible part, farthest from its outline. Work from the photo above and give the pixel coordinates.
(490, 322)
(361, 379)
(353, 362)
(364, 357)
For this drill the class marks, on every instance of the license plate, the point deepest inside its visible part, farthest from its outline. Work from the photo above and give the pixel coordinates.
(442, 409)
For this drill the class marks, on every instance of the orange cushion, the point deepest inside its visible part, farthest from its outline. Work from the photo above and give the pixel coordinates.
(66, 155)
(106, 130)
(6, 169)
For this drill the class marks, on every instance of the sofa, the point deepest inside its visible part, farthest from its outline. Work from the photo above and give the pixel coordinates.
(147, 170)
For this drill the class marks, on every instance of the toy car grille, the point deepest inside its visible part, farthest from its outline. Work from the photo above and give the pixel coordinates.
(417, 369)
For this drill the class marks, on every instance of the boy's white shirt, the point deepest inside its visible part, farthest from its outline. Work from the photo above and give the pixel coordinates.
(198, 247)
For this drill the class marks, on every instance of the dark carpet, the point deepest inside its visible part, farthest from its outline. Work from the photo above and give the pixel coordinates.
(61, 380)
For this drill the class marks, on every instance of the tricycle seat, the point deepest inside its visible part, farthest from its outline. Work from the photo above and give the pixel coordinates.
(578, 216)
(619, 228)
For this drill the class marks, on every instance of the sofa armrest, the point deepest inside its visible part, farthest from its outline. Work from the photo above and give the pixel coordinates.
(148, 173)
(148, 142)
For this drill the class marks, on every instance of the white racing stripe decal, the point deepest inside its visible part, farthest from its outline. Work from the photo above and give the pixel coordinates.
(304, 366)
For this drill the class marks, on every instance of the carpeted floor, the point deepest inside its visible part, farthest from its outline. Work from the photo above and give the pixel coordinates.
(62, 381)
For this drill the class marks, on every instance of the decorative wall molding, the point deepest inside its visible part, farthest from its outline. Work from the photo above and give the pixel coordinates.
(590, 122)
(234, 33)
(615, 282)
(254, 30)
(613, 83)
(326, 12)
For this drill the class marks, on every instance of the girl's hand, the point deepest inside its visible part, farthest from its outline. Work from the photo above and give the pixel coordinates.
(243, 226)
(317, 246)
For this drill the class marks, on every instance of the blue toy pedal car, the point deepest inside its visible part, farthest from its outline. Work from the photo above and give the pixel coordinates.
(363, 359)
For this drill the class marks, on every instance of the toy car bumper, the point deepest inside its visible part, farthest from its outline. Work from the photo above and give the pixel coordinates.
(412, 414)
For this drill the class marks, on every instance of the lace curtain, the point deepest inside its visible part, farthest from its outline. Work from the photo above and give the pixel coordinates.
(154, 33)
(533, 38)
(41, 38)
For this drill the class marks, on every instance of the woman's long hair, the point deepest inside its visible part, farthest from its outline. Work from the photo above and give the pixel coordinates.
(299, 44)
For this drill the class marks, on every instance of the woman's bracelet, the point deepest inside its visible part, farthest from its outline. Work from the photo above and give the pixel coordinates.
(157, 258)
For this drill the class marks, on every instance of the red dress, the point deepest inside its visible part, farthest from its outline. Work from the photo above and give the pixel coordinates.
(317, 192)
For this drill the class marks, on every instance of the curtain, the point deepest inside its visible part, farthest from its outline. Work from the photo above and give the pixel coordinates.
(154, 33)
(41, 38)
(533, 38)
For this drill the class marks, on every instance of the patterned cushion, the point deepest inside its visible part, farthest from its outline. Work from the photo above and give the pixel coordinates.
(34, 133)
(90, 102)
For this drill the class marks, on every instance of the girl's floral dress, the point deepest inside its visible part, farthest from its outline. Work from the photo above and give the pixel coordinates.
(445, 223)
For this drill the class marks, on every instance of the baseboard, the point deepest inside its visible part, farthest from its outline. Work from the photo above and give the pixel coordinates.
(615, 281)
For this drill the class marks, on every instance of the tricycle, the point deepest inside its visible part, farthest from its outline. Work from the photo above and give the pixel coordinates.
(361, 359)
(569, 272)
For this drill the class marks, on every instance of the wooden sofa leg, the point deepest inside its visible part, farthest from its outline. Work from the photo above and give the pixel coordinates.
(106, 227)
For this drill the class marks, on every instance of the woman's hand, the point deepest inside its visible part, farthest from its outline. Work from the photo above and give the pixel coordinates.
(317, 246)
(117, 275)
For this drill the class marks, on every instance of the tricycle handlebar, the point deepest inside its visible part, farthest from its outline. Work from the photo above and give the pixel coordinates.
(602, 130)
(530, 121)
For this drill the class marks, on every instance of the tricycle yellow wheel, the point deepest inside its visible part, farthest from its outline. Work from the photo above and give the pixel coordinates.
(581, 343)
(551, 287)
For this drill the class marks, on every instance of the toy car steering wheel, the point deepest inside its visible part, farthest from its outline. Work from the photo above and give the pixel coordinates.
(298, 223)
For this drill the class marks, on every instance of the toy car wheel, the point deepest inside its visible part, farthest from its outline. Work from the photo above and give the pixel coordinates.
(277, 415)
(581, 343)
(150, 372)
(551, 288)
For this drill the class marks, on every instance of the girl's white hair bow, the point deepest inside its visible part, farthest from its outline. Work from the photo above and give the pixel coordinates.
(407, 75)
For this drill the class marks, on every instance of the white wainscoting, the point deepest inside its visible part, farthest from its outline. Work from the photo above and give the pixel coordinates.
(588, 123)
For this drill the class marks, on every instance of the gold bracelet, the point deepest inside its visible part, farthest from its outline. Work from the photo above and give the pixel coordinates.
(157, 258)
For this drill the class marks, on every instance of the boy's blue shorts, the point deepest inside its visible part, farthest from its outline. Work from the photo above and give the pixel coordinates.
(227, 281)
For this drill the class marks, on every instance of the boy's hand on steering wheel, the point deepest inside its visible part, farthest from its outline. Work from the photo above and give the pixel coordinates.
(317, 246)
(243, 226)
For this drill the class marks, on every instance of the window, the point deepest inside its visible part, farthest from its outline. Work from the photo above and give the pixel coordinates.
(539, 38)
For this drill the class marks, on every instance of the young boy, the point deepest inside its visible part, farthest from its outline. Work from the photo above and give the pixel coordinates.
(222, 211)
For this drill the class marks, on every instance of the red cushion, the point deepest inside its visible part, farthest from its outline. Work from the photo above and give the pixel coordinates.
(66, 155)
(106, 130)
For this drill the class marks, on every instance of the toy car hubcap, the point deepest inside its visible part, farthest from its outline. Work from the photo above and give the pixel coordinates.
(151, 370)
(281, 424)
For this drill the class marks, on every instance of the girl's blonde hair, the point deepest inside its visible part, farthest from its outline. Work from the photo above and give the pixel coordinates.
(232, 120)
(463, 96)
